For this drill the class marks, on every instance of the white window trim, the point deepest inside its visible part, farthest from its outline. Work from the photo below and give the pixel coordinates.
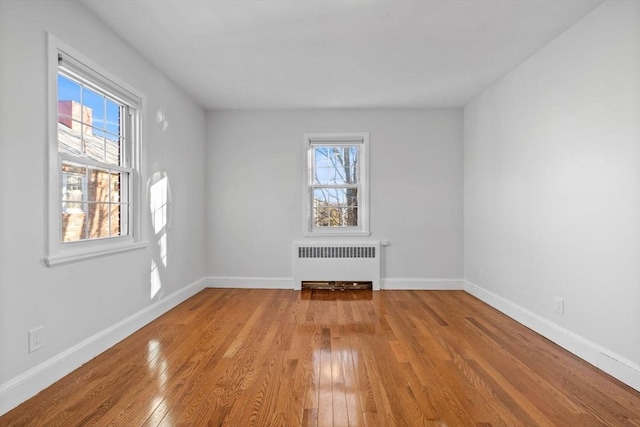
(337, 138)
(57, 252)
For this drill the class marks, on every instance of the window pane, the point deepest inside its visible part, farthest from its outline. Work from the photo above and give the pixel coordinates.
(69, 101)
(101, 146)
(69, 141)
(88, 123)
(115, 220)
(68, 89)
(94, 109)
(335, 196)
(335, 217)
(99, 133)
(335, 165)
(322, 217)
(335, 207)
(112, 137)
(94, 147)
(351, 216)
(74, 223)
(106, 210)
(73, 188)
(72, 191)
(112, 151)
(98, 190)
(115, 187)
(92, 205)
(113, 117)
(98, 220)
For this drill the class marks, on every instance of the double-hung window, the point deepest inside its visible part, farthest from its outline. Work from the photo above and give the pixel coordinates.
(94, 162)
(335, 191)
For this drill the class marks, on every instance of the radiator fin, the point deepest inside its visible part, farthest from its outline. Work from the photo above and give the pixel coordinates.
(336, 252)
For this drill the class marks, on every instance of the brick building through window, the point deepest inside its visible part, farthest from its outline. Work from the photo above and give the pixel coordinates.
(87, 193)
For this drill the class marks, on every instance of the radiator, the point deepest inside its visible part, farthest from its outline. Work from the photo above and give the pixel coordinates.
(336, 261)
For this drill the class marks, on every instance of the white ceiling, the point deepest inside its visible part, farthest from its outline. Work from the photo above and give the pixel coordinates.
(256, 54)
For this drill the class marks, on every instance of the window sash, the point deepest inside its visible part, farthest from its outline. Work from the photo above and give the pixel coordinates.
(87, 77)
(128, 115)
(338, 206)
(326, 166)
(360, 209)
(66, 158)
(88, 206)
(333, 222)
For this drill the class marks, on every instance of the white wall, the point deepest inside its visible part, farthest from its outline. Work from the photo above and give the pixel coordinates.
(552, 190)
(255, 170)
(92, 300)
(551, 179)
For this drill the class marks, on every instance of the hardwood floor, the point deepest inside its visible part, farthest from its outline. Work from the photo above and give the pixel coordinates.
(288, 358)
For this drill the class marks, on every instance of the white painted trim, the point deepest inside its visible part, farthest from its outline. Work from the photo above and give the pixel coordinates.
(28, 384)
(613, 364)
(288, 283)
(422, 284)
(57, 260)
(58, 252)
(249, 282)
(336, 233)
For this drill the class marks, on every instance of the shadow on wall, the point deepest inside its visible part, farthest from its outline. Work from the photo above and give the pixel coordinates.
(160, 211)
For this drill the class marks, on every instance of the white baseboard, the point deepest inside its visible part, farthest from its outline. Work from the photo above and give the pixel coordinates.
(28, 384)
(422, 284)
(249, 282)
(613, 364)
(287, 283)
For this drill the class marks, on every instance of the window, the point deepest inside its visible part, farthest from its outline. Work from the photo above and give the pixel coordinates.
(335, 191)
(94, 160)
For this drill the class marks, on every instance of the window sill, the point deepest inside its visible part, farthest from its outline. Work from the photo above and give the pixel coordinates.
(337, 233)
(71, 257)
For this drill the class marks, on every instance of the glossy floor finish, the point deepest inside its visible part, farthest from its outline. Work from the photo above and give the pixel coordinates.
(288, 358)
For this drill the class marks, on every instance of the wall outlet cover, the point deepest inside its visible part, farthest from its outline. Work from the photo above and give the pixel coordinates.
(35, 339)
(560, 305)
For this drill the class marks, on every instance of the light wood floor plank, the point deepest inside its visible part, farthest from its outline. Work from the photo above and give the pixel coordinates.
(230, 357)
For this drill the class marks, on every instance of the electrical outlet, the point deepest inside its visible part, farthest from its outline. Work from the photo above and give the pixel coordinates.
(482, 273)
(560, 305)
(35, 339)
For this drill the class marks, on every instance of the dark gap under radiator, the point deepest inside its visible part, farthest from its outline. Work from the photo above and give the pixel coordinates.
(338, 285)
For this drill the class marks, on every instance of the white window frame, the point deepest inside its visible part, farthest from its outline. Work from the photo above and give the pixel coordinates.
(311, 139)
(59, 252)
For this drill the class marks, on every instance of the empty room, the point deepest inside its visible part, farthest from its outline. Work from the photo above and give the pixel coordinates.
(345, 212)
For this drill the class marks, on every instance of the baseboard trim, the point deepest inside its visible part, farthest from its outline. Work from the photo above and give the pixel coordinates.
(287, 283)
(422, 284)
(613, 364)
(249, 282)
(26, 385)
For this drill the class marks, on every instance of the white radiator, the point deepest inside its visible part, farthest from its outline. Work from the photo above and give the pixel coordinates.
(336, 261)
